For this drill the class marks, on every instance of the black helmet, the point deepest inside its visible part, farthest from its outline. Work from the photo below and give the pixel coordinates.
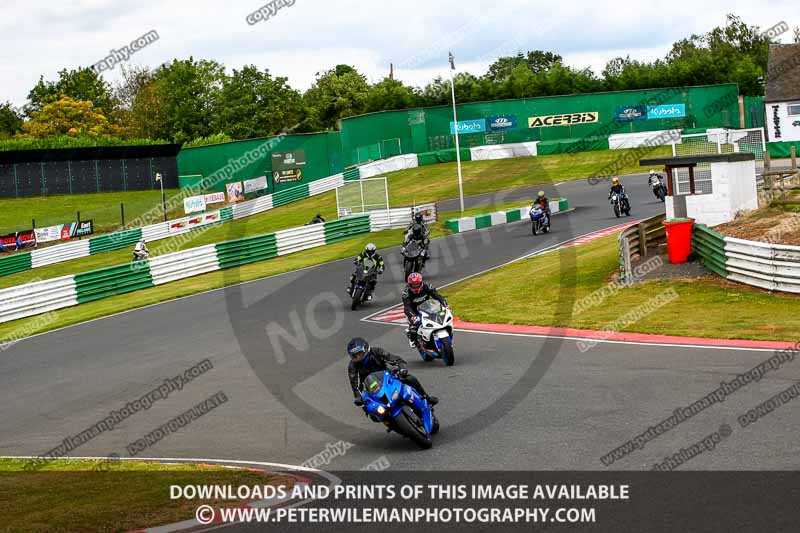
(418, 217)
(357, 349)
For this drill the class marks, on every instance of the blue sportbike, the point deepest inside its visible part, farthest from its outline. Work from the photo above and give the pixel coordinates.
(399, 407)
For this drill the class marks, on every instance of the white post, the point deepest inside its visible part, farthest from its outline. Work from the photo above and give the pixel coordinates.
(458, 147)
(388, 209)
(361, 183)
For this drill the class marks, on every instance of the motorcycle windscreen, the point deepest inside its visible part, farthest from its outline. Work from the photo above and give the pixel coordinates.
(373, 383)
(430, 307)
(412, 249)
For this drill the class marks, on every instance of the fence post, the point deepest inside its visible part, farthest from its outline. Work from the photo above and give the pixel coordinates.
(33, 223)
(79, 224)
(122, 213)
(642, 240)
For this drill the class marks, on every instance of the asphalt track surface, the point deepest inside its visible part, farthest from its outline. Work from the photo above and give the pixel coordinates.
(509, 403)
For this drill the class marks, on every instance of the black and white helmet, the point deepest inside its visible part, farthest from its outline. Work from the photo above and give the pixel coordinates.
(418, 217)
(370, 249)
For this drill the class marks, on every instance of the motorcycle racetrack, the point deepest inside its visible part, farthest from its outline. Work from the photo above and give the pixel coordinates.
(511, 402)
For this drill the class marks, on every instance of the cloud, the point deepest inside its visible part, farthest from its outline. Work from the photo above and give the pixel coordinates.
(315, 35)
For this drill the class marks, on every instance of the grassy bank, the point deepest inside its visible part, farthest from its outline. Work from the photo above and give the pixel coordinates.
(406, 187)
(102, 208)
(212, 280)
(530, 292)
(113, 496)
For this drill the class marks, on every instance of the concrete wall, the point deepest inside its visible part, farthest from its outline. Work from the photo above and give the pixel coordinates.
(734, 190)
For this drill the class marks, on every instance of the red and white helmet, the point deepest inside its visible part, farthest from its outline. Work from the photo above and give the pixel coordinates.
(415, 282)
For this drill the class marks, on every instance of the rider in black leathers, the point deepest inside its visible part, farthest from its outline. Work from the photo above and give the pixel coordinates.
(364, 360)
(370, 252)
(415, 294)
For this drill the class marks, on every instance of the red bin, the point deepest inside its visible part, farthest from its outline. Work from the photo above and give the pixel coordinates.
(679, 238)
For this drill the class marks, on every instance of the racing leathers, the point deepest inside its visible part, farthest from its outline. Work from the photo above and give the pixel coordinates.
(378, 360)
(379, 263)
(411, 302)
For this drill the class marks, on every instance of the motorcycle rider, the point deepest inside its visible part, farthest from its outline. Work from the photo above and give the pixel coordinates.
(616, 187)
(365, 359)
(419, 233)
(140, 251)
(655, 179)
(370, 253)
(316, 220)
(418, 219)
(544, 203)
(416, 293)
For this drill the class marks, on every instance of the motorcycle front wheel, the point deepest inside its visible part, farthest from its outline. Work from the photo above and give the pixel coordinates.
(448, 354)
(616, 211)
(410, 425)
(357, 294)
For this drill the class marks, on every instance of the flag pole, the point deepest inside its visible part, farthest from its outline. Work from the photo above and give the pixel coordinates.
(455, 128)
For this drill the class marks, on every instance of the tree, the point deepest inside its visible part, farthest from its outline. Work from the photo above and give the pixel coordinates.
(536, 61)
(253, 104)
(337, 93)
(79, 84)
(390, 94)
(10, 121)
(184, 96)
(67, 116)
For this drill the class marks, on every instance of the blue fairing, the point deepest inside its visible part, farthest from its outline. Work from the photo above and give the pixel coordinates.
(384, 396)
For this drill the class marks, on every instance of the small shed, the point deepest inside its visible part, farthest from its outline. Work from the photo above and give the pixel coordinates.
(711, 189)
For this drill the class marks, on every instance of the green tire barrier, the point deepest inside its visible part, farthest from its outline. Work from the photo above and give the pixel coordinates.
(352, 175)
(460, 225)
(114, 241)
(40, 297)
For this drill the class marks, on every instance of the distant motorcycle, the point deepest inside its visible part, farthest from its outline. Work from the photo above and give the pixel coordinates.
(621, 204)
(413, 258)
(435, 332)
(659, 190)
(364, 276)
(399, 407)
(540, 222)
(143, 255)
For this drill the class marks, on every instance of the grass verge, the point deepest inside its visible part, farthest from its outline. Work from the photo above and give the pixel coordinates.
(102, 208)
(527, 292)
(111, 496)
(185, 287)
(406, 187)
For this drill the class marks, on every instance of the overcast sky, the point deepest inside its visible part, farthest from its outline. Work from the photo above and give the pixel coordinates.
(40, 38)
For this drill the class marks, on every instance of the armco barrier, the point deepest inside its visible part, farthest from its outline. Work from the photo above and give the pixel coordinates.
(105, 282)
(710, 247)
(15, 263)
(43, 296)
(635, 241)
(459, 225)
(400, 217)
(775, 267)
